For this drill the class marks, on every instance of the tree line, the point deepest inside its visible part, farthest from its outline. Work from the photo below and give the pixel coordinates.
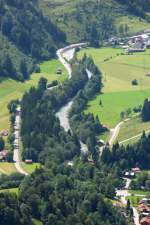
(137, 7)
(85, 126)
(125, 158)
(41, 133)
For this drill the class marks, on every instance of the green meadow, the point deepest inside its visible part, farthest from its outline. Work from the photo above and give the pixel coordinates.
(135, 24)
(118, 71)
(114, 103)
(11, 89)
(7, 168)
(30, 168)
(10, 190)
(133, 127)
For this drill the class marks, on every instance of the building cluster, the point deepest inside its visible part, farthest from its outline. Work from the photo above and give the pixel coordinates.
(138, 43)
(132, 173)
(3, 155)
(4, 133)
(144, 211)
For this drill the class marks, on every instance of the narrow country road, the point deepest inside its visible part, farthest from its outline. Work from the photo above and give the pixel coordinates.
(68, 53)
(123, 194)
(114, 133)
(16, 156)
(134, 137)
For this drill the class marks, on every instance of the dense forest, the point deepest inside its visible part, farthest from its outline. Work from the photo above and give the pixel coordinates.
(130, 156)
(146, 110)
(87, 20)
(26, 37)
(58, 193)
(95, 20)
(86, 127)
(39, 107)
(138, 7)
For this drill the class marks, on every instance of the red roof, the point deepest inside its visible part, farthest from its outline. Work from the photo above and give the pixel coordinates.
(136, 169)
(145, 221)
(144, 208)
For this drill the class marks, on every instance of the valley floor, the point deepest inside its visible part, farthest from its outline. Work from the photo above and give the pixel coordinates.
(119, 94)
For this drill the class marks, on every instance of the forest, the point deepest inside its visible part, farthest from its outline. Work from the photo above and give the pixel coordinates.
(26, 38)
(39, 107)
(130, 156)
(58, 193)
(138, 7)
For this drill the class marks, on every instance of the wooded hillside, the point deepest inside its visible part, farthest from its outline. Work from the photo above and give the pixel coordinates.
(25, 36)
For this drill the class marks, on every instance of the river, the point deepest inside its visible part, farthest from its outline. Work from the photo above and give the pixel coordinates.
(63, 114)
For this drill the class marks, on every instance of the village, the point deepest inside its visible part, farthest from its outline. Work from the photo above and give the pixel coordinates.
(137, 43)
(141, 212)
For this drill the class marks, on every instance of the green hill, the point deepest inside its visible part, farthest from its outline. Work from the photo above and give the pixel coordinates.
(93, 20)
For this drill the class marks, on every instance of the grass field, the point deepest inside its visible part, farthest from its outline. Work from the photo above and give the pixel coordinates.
(37, 222)
(136, 192)
(134, 200)
(29, 168)
(136, 196)
(10, 89)
(11, 190)
(7, 168)
(114, 103)
(120, 70)
(134, 24)
(132, 128)
(118, 73)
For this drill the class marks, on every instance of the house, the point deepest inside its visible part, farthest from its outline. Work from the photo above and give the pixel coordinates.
(28, 161)
(129, 174)
(148, 43)
(143, 208)
(101, 142)
(3, 155)
(136, 170)
(4, 133)
(59, 71)
(145, 221)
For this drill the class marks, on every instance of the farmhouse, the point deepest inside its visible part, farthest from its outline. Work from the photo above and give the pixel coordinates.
(129, 174)
(4, 133)
(28, 161)
(3, 155)
(136, 170)
(59, 71)
(143, 207)
(145, 221)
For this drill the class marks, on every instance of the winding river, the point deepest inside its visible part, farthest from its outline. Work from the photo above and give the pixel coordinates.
(65, 55)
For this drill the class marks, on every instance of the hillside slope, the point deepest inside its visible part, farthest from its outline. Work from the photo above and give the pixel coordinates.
(92, 20)
(28, 34)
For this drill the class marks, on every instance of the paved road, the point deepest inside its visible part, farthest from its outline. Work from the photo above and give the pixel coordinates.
(114, 133)
(68, 53)
(123, 194)
(16, 156)
(134, 137)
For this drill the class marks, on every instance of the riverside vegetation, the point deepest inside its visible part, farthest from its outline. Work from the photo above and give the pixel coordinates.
(60, 193)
